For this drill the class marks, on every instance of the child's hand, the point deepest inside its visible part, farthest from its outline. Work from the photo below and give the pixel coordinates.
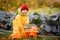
(20, 28)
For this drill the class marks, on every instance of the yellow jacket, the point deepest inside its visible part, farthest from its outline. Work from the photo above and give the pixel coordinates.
(18, 23)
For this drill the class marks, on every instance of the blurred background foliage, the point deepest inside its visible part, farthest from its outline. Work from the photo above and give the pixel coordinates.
(12, 5)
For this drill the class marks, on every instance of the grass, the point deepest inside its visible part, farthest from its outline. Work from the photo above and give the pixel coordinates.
(5, 33)
(45, 10)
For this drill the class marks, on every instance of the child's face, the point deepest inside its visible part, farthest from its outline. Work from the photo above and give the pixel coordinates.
(24, 12)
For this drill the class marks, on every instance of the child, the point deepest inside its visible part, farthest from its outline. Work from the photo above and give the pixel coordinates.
(21, 20)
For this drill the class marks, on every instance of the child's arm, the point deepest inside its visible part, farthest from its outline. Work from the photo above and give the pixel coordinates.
(16, 24)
